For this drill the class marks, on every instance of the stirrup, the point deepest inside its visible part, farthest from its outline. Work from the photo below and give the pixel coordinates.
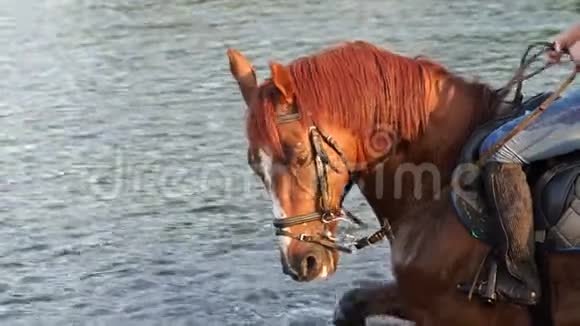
(485, 290)
(488, 291)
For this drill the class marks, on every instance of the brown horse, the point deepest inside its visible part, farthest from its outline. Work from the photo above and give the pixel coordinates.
(396, 126)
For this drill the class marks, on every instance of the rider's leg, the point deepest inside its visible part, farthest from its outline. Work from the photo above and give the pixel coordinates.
(509, 194)
(555, 132)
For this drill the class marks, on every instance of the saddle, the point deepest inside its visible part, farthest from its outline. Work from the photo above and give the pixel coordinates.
(555, 186)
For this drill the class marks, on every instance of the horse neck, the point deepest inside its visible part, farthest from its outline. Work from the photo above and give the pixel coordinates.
(419, 170)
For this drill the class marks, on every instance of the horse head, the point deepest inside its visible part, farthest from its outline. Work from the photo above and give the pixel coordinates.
(302, 168)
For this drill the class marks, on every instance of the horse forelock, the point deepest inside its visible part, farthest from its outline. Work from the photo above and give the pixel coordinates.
(261, 128)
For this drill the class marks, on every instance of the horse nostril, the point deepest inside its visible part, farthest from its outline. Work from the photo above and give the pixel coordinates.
(310, 267)
(310, 263)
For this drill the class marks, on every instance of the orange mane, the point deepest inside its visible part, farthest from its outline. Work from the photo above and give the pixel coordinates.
(356, 86)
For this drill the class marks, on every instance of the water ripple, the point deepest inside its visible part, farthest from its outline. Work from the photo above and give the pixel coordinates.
(104, 104)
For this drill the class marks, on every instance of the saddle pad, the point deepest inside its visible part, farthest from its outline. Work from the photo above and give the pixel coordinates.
(557, 205)
(559, 187)
(472, 210)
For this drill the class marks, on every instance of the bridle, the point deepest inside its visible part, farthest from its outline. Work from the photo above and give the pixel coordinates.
(326, 215)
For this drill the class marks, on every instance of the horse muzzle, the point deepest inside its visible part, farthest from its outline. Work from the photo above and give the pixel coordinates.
(315, 262)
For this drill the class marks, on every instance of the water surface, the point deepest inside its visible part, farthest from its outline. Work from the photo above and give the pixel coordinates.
(124, 194)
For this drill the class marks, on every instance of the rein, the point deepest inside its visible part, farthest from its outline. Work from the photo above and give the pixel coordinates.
(525, 62)
(327, 214)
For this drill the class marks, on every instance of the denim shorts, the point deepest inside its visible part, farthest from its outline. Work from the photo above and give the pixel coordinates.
(555, 132)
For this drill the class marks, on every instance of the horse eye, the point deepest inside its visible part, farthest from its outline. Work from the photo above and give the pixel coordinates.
(302, 155)
(296, 155)
(302, 159)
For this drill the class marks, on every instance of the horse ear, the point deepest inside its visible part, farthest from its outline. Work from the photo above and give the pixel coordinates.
(282, 79)
(243, 72)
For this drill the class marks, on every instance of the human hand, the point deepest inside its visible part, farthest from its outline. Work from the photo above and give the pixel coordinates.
(566, 42)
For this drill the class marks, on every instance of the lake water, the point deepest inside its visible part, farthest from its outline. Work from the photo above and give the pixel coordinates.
(125, 198)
